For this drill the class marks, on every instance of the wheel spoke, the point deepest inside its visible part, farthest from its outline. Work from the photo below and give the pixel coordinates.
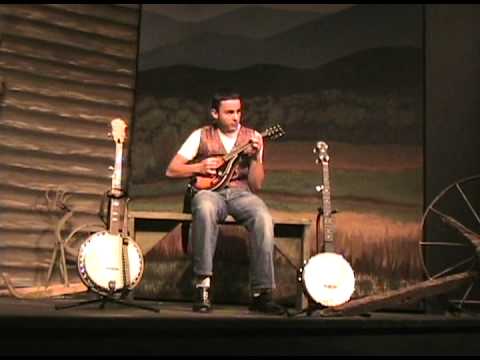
(469, 234)
(465, 296)
(475, 214)
(441, 243)
(457, 265)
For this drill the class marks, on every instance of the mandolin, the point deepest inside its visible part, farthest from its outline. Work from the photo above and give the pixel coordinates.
(225, 172)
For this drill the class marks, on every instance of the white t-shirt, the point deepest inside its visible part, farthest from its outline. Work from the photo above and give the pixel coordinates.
(190, 147)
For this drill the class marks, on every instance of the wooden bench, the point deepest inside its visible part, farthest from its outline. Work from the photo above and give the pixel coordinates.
(284, 228)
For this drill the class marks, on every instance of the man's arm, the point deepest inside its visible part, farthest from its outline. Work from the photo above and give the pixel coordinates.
(256, 172)
(179, 167)
(256, 175)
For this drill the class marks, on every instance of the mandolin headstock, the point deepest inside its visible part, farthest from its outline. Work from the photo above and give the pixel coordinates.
(273, 132)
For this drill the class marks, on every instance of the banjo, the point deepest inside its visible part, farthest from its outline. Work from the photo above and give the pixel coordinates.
(327, 277)
(110, 261)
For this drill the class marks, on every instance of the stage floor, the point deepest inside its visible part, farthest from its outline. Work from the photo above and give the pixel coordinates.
(32, 327)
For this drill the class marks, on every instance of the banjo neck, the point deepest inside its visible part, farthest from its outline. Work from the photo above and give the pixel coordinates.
(328, 226)
(116, 205)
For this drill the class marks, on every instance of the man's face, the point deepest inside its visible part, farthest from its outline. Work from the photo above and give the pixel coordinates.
(228, 115)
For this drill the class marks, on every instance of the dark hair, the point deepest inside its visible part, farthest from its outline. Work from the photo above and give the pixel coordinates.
(224, 94)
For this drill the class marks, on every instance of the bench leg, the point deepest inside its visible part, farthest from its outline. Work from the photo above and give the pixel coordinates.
(131, 227)
(305, 251)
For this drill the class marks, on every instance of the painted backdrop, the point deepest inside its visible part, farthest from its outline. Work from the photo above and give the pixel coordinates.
(347, 75)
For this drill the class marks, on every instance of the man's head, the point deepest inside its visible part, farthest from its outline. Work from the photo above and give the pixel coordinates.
(224, 94)
(226, 109)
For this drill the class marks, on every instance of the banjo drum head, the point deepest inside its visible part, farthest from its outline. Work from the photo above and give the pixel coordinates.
(100, 262)
(329, 279)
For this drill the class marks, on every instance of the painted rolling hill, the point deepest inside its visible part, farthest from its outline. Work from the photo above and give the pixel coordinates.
(307, 45)
(249, 22)
(373, 70)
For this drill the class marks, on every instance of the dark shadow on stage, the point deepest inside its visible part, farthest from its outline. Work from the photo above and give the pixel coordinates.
(34, 327)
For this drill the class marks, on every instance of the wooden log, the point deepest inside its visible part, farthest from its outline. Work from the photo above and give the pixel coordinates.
(20, 220)
(408, 295)
(72, 21)
(31, 83)
(49, 124)
(39, 292)
(75, 165)
(57, 145)
(27, 239)
(32, 262)
(17, 255)
(36, 200)
(66, 55)
(40, 180)
(102, 113)
(41, 244)
(11, 61)
(112, 13)
(39, 240)
(61, 36)
(27, 277)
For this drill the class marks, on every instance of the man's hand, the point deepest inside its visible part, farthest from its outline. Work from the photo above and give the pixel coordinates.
(210, 165)
(256, 144)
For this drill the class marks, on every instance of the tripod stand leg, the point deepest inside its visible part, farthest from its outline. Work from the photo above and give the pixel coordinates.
(81, 303)
(128, 303)
(308, 311)
(103, 301)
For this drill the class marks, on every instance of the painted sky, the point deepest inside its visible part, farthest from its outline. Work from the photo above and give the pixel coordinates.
(200, 12)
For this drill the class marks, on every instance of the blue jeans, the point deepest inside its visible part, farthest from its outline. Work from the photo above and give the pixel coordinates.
(209, 208)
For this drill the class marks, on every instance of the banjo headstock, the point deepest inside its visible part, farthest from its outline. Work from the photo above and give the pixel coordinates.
(321, 149)
(119, 130)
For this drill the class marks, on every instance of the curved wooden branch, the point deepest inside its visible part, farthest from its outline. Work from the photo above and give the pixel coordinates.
(41, 292)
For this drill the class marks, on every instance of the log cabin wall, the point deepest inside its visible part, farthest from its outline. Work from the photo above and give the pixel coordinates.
(67, 70)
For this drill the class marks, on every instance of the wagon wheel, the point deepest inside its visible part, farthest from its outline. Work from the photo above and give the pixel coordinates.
(451, 223)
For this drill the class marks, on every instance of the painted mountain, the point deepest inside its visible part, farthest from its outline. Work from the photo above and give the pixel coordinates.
(243, 38)
(248, 22)
(374, 70)
(370, 55)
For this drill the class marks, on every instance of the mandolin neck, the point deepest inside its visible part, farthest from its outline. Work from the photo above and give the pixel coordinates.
(237, 151)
